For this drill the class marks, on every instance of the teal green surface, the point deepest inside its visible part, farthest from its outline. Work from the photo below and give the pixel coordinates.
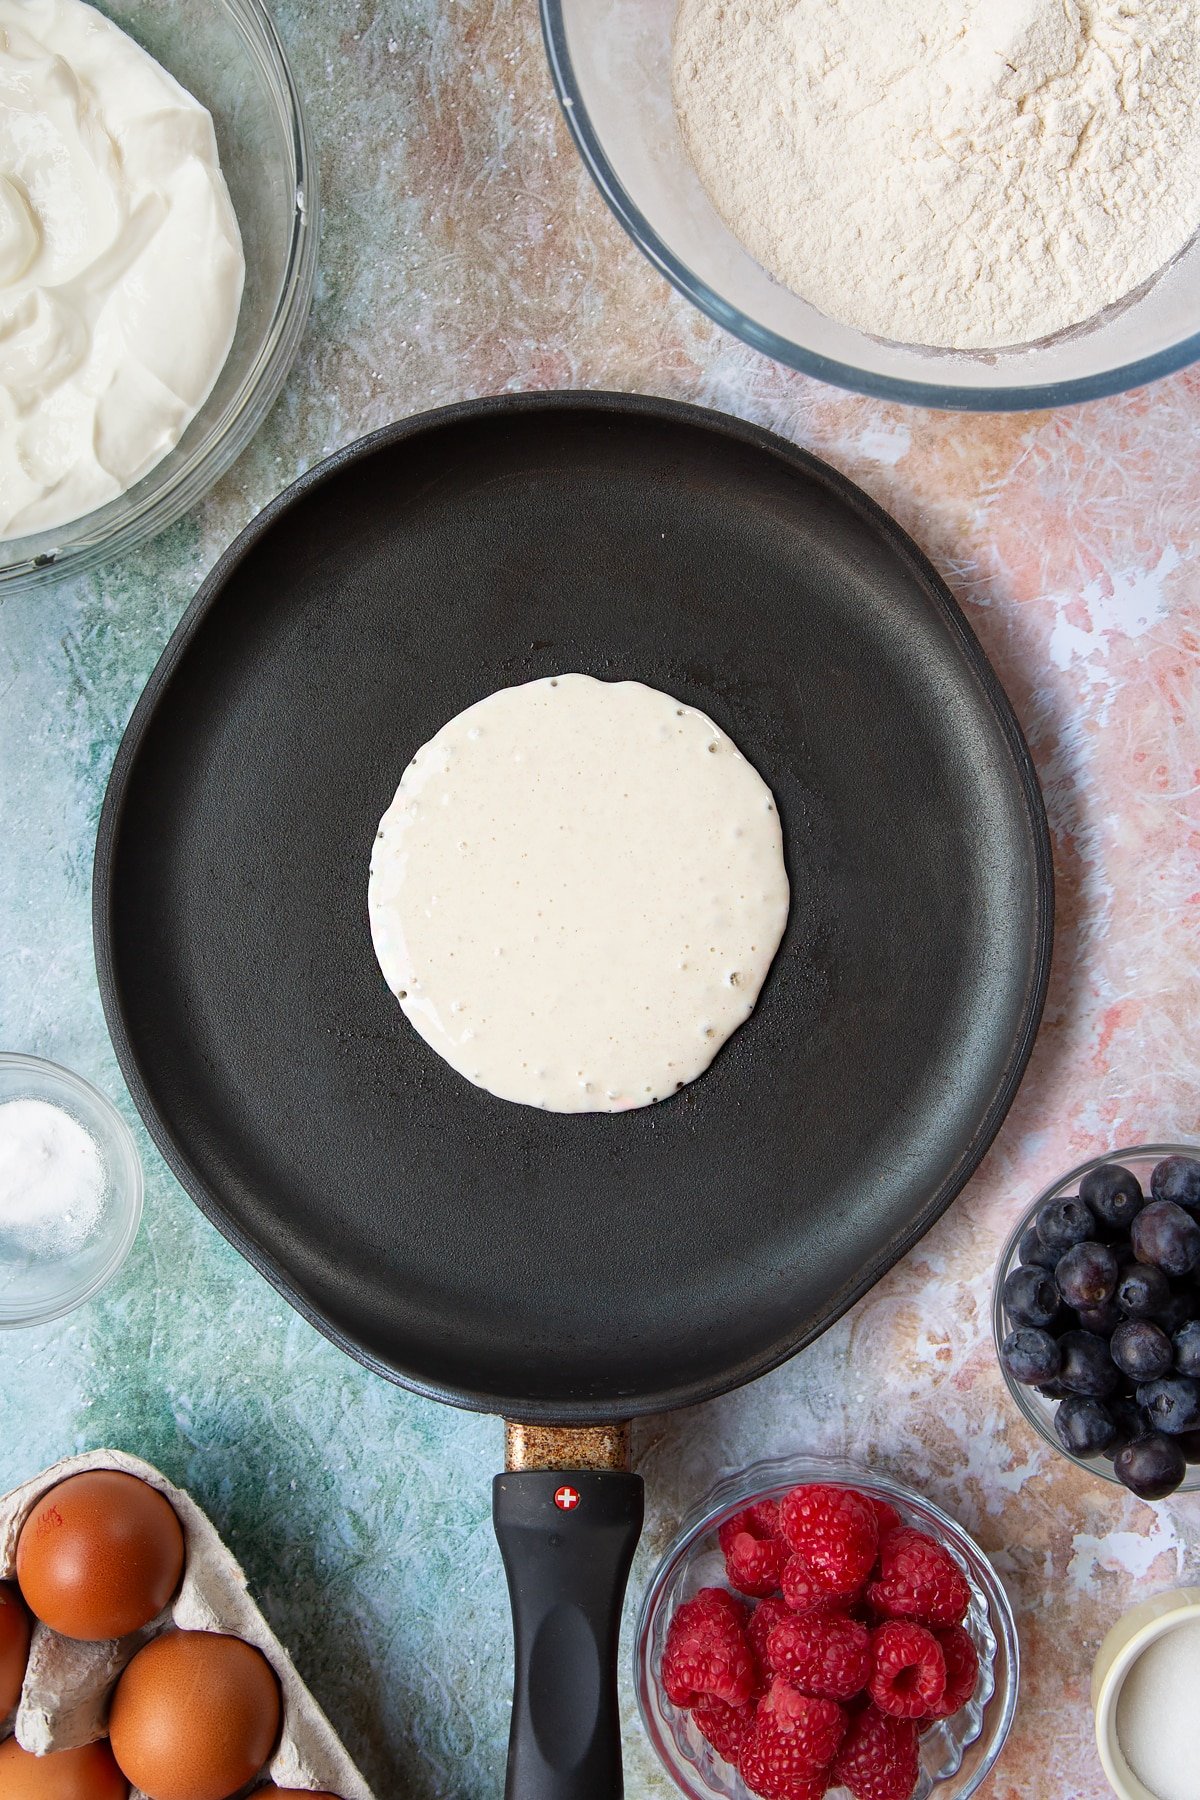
(464, 251)
(361, 1514)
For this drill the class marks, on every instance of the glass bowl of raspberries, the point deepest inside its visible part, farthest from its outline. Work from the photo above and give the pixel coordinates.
(818, 1629)
(1097, 1317)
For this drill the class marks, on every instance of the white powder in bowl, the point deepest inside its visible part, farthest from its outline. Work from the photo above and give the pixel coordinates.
(1156, 1714)
(961, 173)
(52, 1181)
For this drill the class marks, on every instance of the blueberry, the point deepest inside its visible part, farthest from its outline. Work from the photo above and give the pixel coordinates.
(1129, 1421)
(1179, 1308)
(1151, 1467)
(1061, 1223)
(1142, 1290)
(1114, 1195)
(1030, 1355)
(1087, 1368)
(1086, 1275)
(1030, 1296)
(1173, 1404)
(1177, 1178)
(1141, 1350)
(1032, 1250)
(1083, 1425)
(1103, 1320)
(1189, 1443)
(1187, 1348)
(1052, 1390)
(1168, 1237)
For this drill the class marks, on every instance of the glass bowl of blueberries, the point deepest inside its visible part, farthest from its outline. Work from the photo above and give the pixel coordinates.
(1096, 1312)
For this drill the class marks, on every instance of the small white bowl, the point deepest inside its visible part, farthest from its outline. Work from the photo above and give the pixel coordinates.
(37, 1289)
(1129, 1637)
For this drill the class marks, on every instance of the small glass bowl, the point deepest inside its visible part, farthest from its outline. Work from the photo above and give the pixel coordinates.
(1036, 1408)
(36, 1289)
(228, 55)
(956, 1754)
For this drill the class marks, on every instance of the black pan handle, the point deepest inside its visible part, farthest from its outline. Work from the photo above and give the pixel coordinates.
(567, 1537)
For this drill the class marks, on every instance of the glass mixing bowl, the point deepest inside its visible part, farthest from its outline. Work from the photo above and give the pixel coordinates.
(956, 1754)
(40, 1283)
(1036, 1408)
(226, 53)
(611, 63)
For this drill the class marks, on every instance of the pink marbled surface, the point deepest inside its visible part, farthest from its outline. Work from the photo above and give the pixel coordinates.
(1073, 542)
(464, 252)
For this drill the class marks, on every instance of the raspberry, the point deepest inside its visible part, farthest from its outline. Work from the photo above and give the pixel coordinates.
(962, 1671)
(707, 1652)
(717, 1603)
(826, 1653)
(761, 1520)
(775, 1782)
(763, 1619)
(834, 1530)
(813, 1727)
(879, 1757)
(805, 1591)
(726, 1727)
(918, 1580)
(886, 1517)
(793, 1740)
(754, 1551)
(909, 1680)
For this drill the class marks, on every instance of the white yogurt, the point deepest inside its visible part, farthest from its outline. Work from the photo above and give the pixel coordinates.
(121, 266)
(577, 893)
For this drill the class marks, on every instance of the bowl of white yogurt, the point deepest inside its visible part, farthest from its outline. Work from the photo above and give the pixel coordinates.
(70, 1190)
(964, 206)
(157, 257)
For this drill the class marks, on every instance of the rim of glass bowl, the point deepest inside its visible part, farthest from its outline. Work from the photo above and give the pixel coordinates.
(948, 396)
(126, 1177)
(777, 1474)
(229, 435)
(1026, 1399)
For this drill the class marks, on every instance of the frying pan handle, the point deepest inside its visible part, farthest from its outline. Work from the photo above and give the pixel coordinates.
(567, 1537)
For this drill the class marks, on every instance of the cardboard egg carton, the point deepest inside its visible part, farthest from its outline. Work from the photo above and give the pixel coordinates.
(68, 1684)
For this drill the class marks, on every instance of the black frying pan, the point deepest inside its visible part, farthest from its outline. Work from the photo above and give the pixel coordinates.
(571, 1269)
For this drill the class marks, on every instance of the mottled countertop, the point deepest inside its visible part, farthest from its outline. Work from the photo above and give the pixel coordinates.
(466, 252)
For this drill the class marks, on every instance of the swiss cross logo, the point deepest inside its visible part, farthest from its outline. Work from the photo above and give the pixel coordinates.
(566, 1499)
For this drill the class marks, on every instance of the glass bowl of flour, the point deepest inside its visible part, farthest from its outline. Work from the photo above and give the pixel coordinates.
(70, 1191)
(227, 55)
(972, 207)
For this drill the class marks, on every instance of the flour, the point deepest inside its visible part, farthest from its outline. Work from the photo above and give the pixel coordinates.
(963, 173)
(52, 1181)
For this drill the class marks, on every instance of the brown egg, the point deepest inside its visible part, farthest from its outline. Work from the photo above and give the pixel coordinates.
(100, 1555)
(14, 1646)
(87, 1774)
(195, 1716)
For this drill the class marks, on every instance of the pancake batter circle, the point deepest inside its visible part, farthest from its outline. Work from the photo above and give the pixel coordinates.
(577, 892)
